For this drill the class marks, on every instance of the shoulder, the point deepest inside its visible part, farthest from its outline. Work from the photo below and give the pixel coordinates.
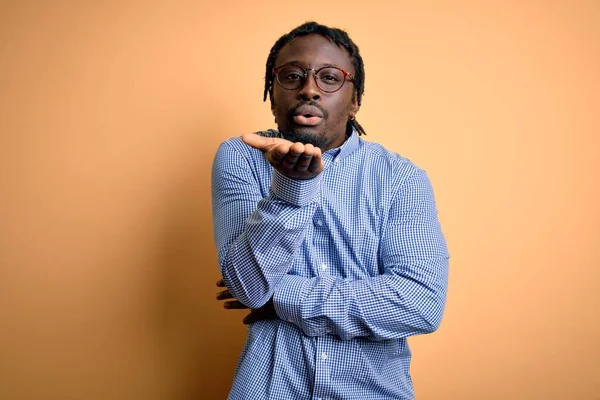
(233, 156)
(392, 164)
(408, 184)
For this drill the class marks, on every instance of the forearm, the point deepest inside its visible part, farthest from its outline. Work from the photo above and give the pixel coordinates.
(256, 261)
(406, 299)
(382, 307)
(256, 235)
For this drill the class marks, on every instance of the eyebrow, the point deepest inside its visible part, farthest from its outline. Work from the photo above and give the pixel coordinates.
(295, 62)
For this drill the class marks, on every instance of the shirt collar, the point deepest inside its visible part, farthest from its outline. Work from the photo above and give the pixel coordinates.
(339, 153)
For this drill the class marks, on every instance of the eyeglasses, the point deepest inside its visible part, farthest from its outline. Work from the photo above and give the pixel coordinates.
(328, 79)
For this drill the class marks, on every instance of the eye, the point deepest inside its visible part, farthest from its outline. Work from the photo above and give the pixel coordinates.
(331, 76)
(292, 76)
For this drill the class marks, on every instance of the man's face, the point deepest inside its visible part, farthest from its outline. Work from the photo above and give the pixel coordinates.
(307, 114)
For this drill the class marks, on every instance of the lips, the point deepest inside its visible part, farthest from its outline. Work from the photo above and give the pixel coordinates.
(307, 120)
(307, 115)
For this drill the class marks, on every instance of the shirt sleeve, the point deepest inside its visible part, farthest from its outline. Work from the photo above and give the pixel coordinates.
(257, 237)
(407, 299)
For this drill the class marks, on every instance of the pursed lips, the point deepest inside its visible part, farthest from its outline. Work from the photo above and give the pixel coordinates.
(307, 115)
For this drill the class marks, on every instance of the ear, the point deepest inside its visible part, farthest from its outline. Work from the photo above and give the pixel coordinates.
(272, 103)
(354, 107)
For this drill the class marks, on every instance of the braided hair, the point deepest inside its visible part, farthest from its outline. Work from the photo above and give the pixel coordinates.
(337, 36)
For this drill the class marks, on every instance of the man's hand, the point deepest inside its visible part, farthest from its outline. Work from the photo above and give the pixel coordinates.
(294, 160)
(225, 295)
(264, 313)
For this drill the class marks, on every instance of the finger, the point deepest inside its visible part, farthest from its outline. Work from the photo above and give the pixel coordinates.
(250, 318)
(305, 158)
(278, 153)
(257, 141)
(297, 148)
(255, 316)
(316, 163)
(295, 151)
(262, 143)
(234, 305)
(225, 294)
(221, 283)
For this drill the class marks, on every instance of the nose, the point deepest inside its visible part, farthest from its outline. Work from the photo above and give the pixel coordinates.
(309, 90)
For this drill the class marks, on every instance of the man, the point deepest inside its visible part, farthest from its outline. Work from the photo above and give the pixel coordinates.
(332, 241)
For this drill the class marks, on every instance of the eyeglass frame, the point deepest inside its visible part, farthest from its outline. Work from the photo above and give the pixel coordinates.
(347, 76)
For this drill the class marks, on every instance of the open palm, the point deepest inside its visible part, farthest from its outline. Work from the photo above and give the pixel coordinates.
(294, 160)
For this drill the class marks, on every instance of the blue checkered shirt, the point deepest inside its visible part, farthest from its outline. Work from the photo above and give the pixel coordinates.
(354, 260)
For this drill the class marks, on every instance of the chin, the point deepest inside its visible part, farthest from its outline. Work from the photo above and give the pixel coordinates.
(308, 130)
(308, 134)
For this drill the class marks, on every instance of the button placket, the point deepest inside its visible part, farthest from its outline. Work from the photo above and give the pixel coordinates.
(322, 368)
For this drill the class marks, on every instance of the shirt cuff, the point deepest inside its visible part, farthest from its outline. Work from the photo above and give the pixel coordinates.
(298, 192)
(288, 296)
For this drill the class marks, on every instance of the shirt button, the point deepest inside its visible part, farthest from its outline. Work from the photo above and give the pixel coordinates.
(323, 356)
(323, 267)
(319, 222)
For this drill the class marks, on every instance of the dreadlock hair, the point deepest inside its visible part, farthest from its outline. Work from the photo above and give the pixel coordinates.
(337, 36)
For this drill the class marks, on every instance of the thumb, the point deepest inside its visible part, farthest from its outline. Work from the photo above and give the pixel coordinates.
(260, 142)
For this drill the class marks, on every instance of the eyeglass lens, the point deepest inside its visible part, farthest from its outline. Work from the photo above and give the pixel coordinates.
(329, 79)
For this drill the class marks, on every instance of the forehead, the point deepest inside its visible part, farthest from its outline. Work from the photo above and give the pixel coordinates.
(314, 51)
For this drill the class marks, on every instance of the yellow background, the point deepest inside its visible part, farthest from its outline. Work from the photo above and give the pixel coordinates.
(111, 112)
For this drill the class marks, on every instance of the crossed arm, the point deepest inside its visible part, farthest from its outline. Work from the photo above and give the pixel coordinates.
(407, 299)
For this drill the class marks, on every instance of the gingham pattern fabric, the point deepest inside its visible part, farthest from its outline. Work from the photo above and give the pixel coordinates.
(354, 260)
